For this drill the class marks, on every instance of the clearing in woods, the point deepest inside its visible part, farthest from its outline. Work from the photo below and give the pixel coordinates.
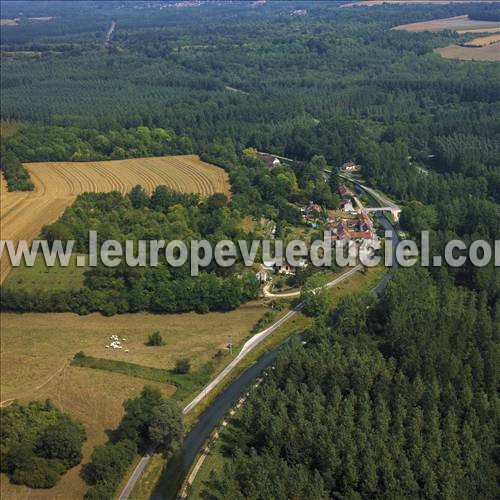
(23, 214)
(37, 348)
(9, 127)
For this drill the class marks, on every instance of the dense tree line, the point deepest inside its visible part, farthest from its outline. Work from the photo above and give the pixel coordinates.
(16, 176)
(38, 443)
(149, 418)
(49, 143)
(74, 144)
(394, 398)
(165, 215)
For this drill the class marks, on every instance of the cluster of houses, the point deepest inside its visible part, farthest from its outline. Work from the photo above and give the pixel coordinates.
(355, 226)
(358, 228)
(116, 343)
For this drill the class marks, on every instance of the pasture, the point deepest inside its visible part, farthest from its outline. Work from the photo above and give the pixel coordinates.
(37, 349)
(461, 24)
(23, 214)
(35, 345)
(40, 277)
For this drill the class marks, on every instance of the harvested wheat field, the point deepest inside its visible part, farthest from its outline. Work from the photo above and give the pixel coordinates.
(9, 22)
(462, 24)
(371, 3)
(486, 53)
(23, 214)
(483, 41)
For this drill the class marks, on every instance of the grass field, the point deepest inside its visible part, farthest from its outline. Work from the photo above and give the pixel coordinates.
(462, 24)
(487, 53)
(35, 345)
(37, 349)
(43, 278)
(95, 398)
(22, 214)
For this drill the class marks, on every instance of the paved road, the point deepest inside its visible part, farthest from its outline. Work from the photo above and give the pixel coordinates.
(127, 490)
(379, 197)
(256, 340)
(179, 465)
(334, 282)
(247, 347)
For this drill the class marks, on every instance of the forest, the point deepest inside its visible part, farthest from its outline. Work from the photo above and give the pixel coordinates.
(165, 215)
(391, 398)
(39, 443)
(245, 76)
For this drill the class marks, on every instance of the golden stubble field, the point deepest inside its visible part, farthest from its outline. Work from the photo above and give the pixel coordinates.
(23, 214)
(485, 53)
(486, 48)
(461, 24)
(36, 350)
(371, 3)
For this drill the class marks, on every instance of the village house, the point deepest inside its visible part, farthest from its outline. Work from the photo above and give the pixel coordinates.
(349, 166)
(282, 266)
(261, 275)
(311, 210)
(346, 206)
(345, 192)
(365, 223)
(358, 229)
(270, 159)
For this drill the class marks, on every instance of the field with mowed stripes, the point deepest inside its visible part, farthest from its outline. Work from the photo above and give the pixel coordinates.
(23, 214)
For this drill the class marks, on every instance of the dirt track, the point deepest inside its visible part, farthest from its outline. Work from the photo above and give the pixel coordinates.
(23, 214)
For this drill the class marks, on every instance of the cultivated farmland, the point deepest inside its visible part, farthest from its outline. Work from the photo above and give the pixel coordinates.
(461, 24)
(485, 53)
(22, 214)
(483, 41)
(371, 3)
